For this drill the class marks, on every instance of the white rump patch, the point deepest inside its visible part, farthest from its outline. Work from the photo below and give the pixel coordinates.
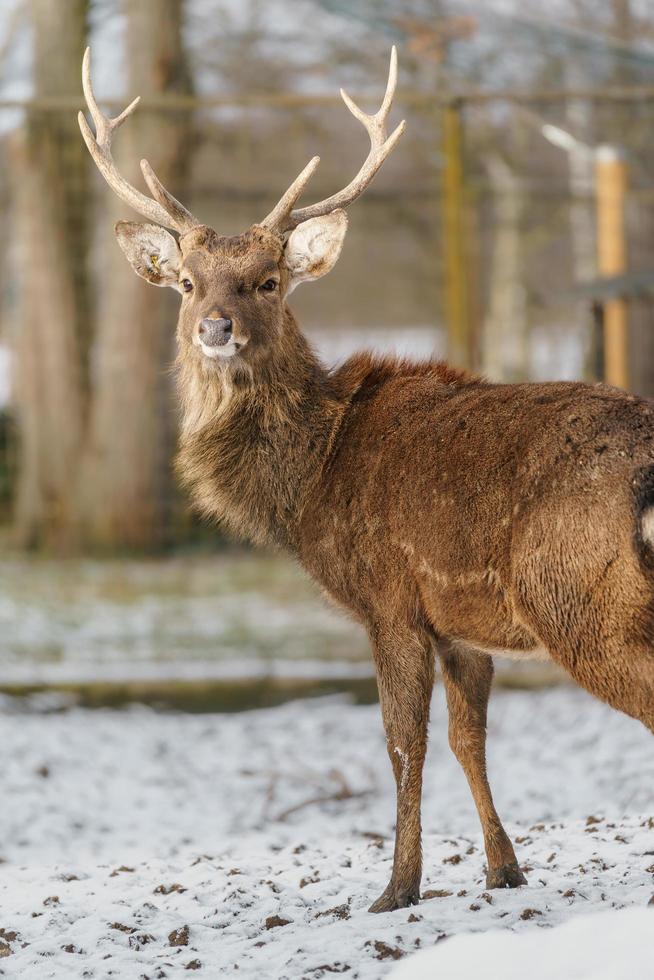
(647, 526)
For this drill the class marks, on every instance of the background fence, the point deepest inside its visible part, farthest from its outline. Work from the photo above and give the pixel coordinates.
(532, 251)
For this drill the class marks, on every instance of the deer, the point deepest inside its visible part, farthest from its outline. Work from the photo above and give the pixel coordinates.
(457, 519)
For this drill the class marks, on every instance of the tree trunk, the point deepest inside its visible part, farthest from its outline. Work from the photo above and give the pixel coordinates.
(51, 199)
(127, 488)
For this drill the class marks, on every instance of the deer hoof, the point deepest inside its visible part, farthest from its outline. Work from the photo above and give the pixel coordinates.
(395, 898)
(506, 876)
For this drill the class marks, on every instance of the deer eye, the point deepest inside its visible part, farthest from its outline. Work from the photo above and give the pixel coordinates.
(187, 285)
(269, 285)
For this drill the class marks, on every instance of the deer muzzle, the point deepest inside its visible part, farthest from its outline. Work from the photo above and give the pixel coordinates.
(215, 333)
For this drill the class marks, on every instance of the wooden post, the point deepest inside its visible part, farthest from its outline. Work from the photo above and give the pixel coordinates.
(611, 188)
(454, 238)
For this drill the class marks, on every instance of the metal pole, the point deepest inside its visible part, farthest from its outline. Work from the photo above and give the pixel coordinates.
(454, 245)
(611, 188)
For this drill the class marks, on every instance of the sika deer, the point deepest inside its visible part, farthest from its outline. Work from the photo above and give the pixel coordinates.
(446, 513)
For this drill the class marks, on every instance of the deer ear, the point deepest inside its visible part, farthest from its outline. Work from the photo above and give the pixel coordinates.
(313, 248)
(152, 252)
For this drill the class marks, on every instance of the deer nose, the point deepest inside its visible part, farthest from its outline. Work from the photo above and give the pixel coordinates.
(215, 333)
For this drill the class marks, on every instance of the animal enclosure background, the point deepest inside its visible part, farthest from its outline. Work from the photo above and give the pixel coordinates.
(478, 240)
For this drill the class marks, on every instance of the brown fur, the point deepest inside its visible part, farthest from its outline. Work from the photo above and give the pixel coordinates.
(446, 513)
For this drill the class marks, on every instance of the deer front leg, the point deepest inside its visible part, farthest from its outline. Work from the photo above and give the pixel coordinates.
(467, 676)
(405, 675)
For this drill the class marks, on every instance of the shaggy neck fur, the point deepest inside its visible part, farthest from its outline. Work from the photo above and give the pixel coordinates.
(254, 441)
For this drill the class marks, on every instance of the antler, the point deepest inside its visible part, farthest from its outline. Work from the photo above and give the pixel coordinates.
(165, 209)
(284, 218)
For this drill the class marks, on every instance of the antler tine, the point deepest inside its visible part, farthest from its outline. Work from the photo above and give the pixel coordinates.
(104, 126)
(99, 146)
(285, 204)
(391, 85)
(284, 218)
(183, 218)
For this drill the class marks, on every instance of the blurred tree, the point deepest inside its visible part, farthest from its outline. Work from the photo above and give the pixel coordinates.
(126, 486)
(50, 182)
(94, 409)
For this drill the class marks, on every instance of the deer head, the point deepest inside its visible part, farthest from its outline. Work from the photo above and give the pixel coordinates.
(233, 289)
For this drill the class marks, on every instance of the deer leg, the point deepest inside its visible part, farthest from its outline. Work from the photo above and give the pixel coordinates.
(467, 676)
(405, 676)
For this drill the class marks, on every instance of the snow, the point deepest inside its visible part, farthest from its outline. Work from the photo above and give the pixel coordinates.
(235, 669)
(616, 946)
(142, 844)
(183, 617)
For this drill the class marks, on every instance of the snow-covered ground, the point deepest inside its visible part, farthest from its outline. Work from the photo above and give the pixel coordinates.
(186, 616)
(137, 844)
(225, 616)
(615, 946)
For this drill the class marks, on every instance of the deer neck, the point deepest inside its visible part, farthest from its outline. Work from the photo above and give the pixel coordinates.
(253, 444)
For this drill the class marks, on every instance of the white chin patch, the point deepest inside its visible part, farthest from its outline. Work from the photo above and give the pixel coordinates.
(225, 351)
